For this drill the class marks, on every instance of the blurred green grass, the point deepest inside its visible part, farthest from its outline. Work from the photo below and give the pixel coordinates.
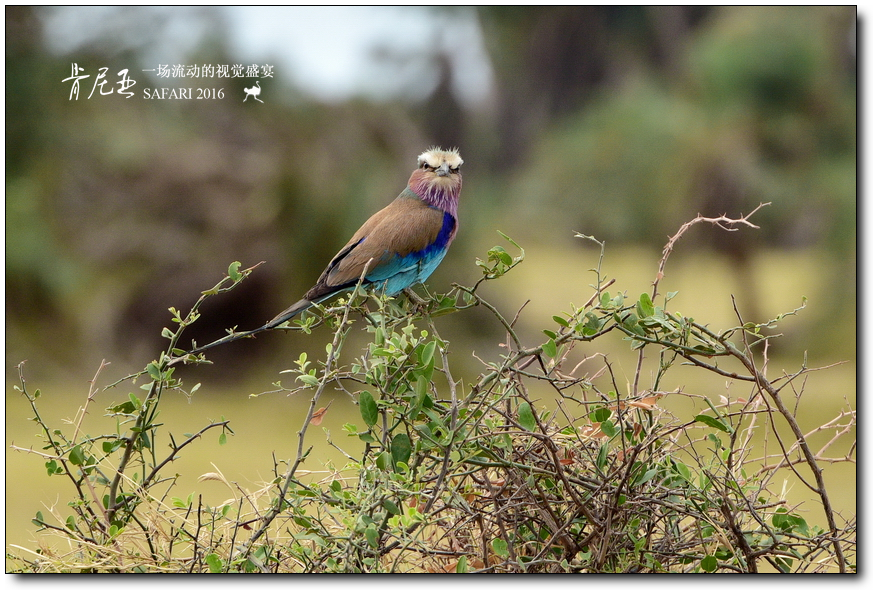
(262, 425)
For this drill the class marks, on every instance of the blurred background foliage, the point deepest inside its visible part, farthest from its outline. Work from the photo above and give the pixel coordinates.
(618, 122)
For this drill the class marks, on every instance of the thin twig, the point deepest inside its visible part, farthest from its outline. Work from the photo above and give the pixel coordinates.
(92, 391)
(722, 221)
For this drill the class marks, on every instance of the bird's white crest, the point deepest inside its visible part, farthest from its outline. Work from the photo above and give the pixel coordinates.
(435, 157)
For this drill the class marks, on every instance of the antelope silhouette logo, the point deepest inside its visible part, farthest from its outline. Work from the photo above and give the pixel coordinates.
(254, 91)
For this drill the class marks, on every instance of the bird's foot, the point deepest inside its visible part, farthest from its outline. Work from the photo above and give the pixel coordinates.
(419, 303)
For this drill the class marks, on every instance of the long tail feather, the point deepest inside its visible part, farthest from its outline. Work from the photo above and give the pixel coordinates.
(282, 317)
(289, 313)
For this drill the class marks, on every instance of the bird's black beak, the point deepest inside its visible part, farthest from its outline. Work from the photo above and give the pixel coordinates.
(443, 170)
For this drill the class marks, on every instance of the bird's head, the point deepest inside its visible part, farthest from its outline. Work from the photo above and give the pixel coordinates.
(438, 178)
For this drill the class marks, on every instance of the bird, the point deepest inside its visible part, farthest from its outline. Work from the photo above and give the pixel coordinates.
(398, 247)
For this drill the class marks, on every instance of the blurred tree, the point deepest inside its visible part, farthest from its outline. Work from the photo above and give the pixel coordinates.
(550, 61)
(762, 109)
(616, 121)
(39, 271)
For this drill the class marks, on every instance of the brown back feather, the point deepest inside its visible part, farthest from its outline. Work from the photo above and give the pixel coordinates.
(405, 226)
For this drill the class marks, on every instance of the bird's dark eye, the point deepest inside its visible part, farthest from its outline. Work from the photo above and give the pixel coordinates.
(425, 166)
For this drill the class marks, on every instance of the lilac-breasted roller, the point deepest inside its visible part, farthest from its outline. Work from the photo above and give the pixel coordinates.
(400, 246)
(403, 243)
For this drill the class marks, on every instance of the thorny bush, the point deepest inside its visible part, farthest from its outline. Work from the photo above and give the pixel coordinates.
(458, 477)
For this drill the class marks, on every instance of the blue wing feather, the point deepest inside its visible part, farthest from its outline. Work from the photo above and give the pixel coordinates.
(397, 273)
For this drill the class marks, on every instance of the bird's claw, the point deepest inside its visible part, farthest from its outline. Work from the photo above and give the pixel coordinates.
(419, 303)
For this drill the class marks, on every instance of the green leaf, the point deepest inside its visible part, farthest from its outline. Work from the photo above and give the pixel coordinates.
(559, 320)
(435, 419)
(390, 506)
(154, 371)
(167, 333)
(780, 519)
(787, 522)
(77, 455)
(52, 467)
(369, 411)
(401, 448)
(420, 394)
(461, 568)
(447, 302)
(233, 272)
(372, 535)
(683, 470)
(712, 422)
(715, 440)
(646, 476)
(499, 253)
(382, 461)
(601, 414)
(500, 547)
(427, 352)
(709, 563)
(591, 326)
(222, 439)
(608, 428)
(39, 519)
(214, 563)
(602, 456)
(550, 348)
(427, 373)
(631, 323)
(307, 379)
(645, 307)
(526, 417)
